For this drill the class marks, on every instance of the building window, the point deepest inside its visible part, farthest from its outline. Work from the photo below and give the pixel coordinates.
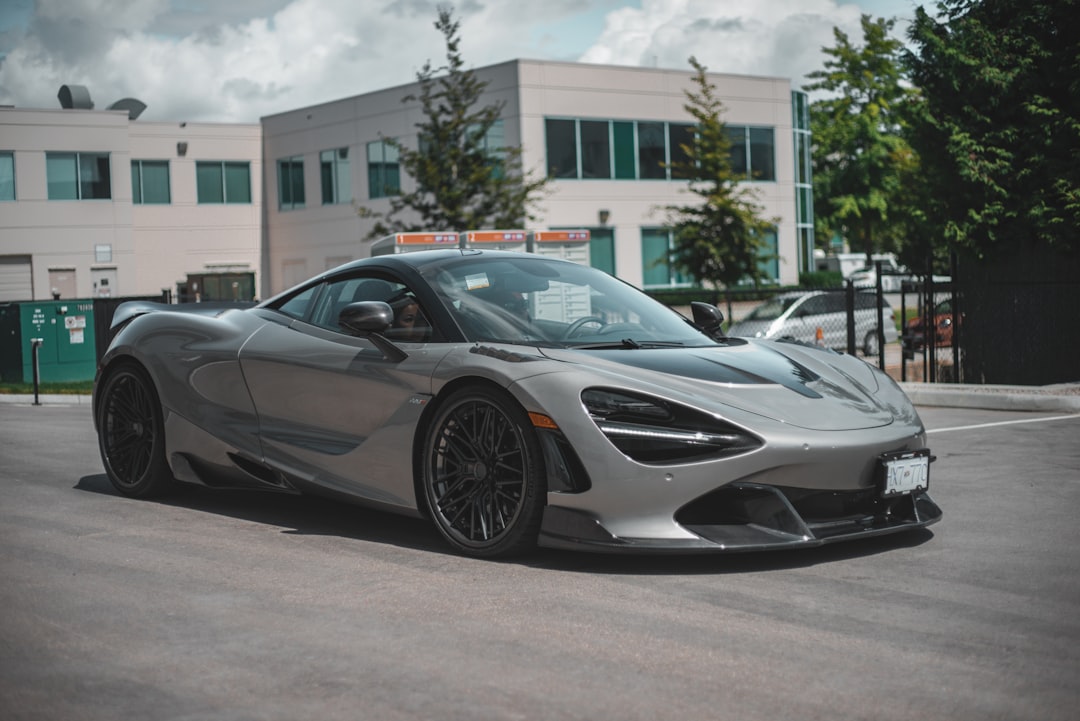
(149, 181)
(494, 146)
(290, 173)
(769, 265)
(384, 170)
(223, 182)
(762, 152)
(680, 139)
(561, 148)
(602, 249)
(336, 176)
(7, 176)
(595, 149)
(804, 188)
(623, 150)
(78, 176)
(752, 152)
(103, 253)
(657, 270)
(644, 150)
(652, 155)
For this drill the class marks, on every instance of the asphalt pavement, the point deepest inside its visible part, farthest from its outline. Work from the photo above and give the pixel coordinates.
(228, 606)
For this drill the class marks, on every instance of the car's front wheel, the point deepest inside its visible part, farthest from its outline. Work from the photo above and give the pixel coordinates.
(131, 433)
(483, 475)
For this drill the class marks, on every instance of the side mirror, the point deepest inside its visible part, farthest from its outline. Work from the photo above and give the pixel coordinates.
(708, 318)
(370, 319)
(366, 317)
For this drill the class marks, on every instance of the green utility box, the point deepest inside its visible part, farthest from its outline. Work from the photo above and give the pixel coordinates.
(68, 351)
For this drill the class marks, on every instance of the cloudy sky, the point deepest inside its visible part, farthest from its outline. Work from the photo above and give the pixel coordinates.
(238, 60)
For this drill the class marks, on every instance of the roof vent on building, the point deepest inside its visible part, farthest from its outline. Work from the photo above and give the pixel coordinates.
(75, 97)
(133, 106)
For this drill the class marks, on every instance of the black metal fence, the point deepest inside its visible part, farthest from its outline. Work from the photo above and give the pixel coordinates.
(859, 321)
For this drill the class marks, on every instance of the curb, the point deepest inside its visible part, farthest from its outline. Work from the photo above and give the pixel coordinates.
(27, 399)
(1055, 399)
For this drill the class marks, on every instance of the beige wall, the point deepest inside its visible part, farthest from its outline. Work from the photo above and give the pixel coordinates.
(63, 233)
(151, 246)
(184, 237)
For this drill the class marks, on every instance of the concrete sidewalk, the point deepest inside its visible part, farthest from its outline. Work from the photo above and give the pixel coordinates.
(1058, 398)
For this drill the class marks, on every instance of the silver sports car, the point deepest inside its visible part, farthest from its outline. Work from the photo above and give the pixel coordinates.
(515, 400)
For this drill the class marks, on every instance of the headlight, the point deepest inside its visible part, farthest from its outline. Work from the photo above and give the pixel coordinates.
(650, 430)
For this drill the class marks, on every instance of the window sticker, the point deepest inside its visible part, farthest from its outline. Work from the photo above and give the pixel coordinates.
(476, 282)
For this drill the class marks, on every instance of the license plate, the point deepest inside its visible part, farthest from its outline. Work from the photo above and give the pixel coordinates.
(905, 472)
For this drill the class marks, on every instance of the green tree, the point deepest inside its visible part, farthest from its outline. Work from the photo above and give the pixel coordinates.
(860, 156)
(460, 182)
(999, 124)
(720, 239)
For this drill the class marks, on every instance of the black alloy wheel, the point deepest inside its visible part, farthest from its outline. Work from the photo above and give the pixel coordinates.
(131, 433)
(483, 474)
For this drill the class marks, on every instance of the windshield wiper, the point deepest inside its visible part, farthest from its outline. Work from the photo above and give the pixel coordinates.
(625, 343)
(630, 344)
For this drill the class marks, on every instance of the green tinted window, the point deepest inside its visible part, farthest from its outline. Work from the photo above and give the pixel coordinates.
(150, 182)
(623, 150)
(78, 176)
(7, 176)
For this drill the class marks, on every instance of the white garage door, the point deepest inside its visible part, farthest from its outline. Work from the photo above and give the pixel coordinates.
(16, 278)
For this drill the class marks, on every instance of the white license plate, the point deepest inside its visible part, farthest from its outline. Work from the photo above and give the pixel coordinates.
(906, 472)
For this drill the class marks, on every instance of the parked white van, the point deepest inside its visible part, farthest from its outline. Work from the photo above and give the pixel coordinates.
(806, 315)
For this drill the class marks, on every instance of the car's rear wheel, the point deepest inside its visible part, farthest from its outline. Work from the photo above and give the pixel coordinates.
(131, 433)
(483, 475)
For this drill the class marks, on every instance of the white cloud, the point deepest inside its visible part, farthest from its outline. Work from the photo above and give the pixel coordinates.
(237, 61)
(781, 38)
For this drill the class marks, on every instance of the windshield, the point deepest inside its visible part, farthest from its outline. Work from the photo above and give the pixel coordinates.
(772, 309)
(538, 301)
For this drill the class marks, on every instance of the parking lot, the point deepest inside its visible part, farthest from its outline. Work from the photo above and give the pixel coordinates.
(256, 606)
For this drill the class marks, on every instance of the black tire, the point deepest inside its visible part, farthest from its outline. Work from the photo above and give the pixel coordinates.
(131, 433)
(483, 474)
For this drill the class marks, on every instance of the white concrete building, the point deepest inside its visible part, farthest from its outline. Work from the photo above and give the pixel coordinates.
(93, 204)
(599, 131)
(277, 202)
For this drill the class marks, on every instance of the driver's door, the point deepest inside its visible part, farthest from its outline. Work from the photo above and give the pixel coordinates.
(333, 409)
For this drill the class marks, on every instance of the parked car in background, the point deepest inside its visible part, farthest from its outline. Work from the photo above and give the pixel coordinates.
(805, 316)
(941, 322)
(892, 276)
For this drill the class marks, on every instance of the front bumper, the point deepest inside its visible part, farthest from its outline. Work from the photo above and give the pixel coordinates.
(753, 517)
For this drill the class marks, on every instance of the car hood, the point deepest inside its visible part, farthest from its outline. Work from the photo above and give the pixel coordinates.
(791, 383)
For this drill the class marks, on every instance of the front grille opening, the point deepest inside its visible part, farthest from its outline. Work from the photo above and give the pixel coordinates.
(742, 505)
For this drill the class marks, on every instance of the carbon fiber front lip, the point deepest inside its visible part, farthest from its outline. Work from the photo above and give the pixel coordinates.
(570, 529)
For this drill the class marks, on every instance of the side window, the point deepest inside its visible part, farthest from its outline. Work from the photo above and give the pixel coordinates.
(297, 306)
(865, 301)
(410, 322)
(835, 303)
(814, 305)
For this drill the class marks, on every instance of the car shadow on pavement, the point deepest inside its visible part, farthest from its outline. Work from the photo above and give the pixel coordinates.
(315, 516)
(294, 514)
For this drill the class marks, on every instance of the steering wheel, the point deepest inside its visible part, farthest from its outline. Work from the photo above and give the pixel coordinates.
(578, 324)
